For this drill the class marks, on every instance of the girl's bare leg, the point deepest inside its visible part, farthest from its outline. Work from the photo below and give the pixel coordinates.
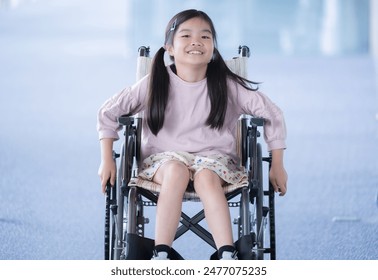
(208, 186)
(173, 176)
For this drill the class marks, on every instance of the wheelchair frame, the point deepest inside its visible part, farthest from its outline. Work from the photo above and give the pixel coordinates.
(125, 202)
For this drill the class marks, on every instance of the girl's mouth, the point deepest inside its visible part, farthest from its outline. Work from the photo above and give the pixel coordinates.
(195, 52)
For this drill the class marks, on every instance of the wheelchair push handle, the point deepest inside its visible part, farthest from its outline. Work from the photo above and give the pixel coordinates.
(144, 51)
(244, 51)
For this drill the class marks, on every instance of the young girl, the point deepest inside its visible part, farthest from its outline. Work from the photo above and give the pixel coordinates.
(191, 108)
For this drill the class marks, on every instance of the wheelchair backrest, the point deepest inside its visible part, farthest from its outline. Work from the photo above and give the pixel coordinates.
(238, 64)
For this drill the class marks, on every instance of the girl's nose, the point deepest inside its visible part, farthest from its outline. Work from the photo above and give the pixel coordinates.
(196, 43)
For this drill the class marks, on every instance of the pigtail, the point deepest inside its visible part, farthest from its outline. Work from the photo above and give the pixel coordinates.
(158, 92)
(217, 90)
(217, 74)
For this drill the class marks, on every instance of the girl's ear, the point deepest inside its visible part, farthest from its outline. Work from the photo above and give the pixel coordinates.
(169, 49)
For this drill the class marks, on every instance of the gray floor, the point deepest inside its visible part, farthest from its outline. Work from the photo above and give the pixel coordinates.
(55, 71)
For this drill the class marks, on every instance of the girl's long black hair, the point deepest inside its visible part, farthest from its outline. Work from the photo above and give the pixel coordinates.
(217, 74)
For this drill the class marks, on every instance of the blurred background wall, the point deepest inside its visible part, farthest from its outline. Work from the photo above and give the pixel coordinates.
(300, 27)
(291, 27)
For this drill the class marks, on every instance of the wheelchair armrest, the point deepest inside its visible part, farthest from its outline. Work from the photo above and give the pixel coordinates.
(257, 121)
(246, 123)
(251, 120)
(126, 120)
(132, 140)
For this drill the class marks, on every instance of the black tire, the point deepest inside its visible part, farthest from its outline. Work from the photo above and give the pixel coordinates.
(119, 218)
(259, 204)
(123, 201)
(110, 203)
(107, 226)
(117, 201)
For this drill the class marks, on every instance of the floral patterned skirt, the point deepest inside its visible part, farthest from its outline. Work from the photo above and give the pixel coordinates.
(224, 166)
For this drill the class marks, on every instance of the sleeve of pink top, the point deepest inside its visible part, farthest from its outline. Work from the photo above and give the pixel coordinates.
(259, 105)
(126, 102)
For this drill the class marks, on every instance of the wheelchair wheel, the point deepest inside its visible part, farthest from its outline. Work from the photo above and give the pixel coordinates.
(115, 218)
(107, 226)
(259, 205)
(124, 207)
(110, 222)
(123, 211)
(130, 208)
(251, 213)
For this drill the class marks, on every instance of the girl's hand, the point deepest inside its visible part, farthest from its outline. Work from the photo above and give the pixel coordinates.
(106, 171)
(277, 174)
(278, 178)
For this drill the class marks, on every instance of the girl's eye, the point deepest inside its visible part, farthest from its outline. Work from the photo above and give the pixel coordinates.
(185, 36)
(206, 37)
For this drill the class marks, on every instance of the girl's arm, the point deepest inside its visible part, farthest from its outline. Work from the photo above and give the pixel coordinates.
(129, 101)
(107, 168)
(258, 104)
(277, 174)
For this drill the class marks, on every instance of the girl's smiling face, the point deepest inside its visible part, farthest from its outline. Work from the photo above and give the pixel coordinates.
(193, 44)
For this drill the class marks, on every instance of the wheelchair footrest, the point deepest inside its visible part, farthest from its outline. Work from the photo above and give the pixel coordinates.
(244, 247)
(140, 248)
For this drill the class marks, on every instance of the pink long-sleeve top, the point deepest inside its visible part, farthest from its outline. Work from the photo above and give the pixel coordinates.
(186, 113)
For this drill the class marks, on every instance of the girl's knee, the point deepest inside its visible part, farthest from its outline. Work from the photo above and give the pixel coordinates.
(177, 169)
(172, 170)
(207, 179)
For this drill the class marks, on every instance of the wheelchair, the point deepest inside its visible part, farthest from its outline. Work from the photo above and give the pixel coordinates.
(125, 202)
